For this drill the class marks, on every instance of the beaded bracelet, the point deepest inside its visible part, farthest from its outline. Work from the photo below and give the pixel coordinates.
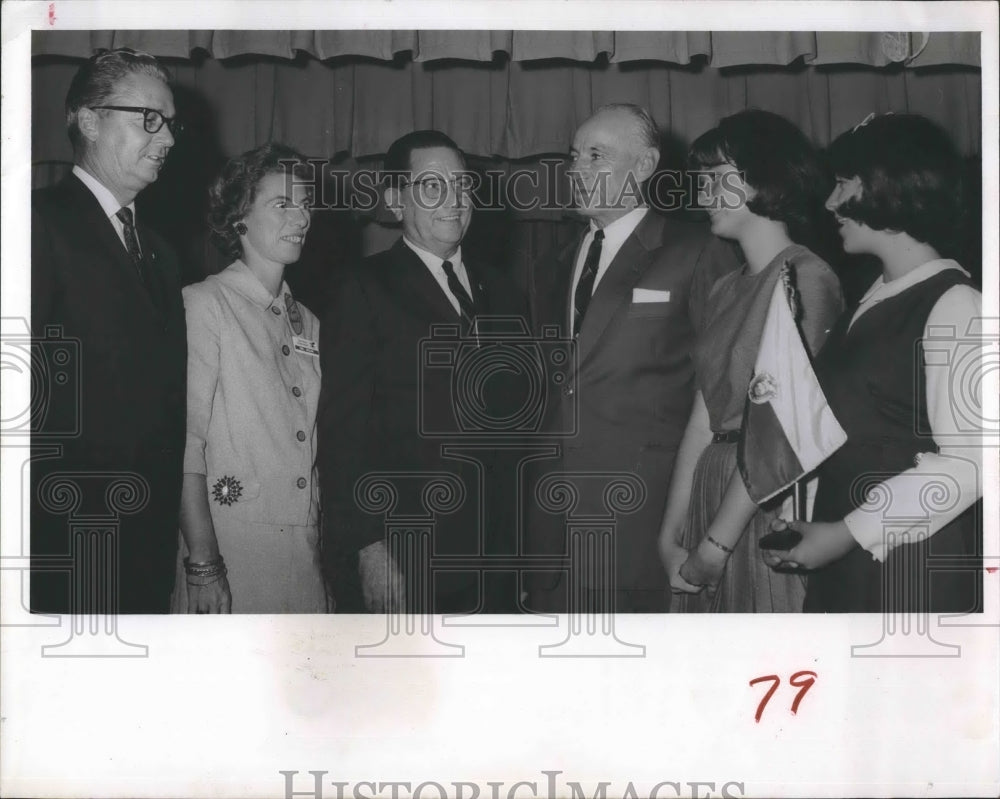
(723, 547)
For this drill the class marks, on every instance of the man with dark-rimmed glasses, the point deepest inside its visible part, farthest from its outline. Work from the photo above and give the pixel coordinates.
(105, 281)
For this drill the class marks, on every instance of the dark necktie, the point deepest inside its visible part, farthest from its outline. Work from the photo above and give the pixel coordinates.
(131, 241)
(455, 287)
(585, 286)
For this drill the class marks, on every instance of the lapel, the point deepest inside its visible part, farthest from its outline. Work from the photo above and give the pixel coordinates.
(96, 225)
(417, 288)
(614, 292)
(155, 288)
(479, 294)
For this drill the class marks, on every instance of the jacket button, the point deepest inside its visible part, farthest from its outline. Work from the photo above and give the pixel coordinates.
(300, 436)
(568, 391)
(302, 482)
(284, 349)
(296, 391)
(276, 311)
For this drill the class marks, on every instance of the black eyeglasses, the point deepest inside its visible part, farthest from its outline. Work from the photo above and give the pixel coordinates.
(152, 120)
(433, 188)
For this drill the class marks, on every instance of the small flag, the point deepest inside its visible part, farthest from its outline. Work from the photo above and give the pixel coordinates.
(788, 427)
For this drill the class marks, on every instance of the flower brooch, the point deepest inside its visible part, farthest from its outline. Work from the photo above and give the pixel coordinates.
(763, 388)
(227, 490)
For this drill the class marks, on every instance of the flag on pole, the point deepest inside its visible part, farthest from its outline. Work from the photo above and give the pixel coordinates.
(788, 427)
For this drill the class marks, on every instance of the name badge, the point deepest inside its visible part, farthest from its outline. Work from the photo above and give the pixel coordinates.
(305, 345)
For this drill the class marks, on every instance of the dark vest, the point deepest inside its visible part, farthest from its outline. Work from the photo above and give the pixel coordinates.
(874, 379)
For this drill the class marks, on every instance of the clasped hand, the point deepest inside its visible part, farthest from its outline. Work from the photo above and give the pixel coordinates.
(821, 544)
(692, 571)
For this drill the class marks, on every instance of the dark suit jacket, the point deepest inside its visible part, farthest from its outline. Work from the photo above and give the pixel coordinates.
(630, 395)
(389, 406)
(126, 412)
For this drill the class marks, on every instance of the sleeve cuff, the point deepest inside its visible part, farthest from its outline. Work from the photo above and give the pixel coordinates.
(194, 456)
(866, 527)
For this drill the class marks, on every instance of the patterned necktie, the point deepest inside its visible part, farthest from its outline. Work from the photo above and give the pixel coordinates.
(131, 241)
(455, 286)
(585, 286)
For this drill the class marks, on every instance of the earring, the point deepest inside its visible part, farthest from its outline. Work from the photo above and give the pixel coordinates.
(240, 228)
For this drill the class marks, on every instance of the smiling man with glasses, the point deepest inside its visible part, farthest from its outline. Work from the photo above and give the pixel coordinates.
(374, 387)
(104, 279)
(152, 120)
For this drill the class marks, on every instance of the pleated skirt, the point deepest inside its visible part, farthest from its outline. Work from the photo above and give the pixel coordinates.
(747, 585)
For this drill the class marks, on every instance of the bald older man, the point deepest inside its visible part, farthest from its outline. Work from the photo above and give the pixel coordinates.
(631, 292)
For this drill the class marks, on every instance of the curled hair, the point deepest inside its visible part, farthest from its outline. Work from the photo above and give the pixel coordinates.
(649, 131)
(234, 191)
(399, 156)
(911, 179)
(777, 161)
(97, 80)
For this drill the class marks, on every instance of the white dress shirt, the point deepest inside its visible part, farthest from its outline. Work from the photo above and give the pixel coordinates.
(953, 354)
(614, 237)
(109, 204)
(435, 267)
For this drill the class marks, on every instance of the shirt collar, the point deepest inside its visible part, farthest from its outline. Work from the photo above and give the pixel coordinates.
(109, 204)
(431, 260)
(619, 230)
(882, 290)
(243, 281)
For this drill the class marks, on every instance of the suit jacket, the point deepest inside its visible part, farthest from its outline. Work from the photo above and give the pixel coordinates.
(125, 412)
(389, 404)
(629, 396)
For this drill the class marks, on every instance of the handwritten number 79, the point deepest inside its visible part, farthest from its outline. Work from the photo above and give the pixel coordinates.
(803, 680)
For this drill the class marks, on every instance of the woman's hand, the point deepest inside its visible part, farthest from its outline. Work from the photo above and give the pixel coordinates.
(673, 555)
(705, 566)
(822, 543)
(211, 598)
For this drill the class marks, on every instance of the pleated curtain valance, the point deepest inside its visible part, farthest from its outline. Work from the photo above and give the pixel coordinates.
(719, 49)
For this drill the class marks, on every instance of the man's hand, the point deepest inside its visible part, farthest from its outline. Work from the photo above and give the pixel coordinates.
(382, 585)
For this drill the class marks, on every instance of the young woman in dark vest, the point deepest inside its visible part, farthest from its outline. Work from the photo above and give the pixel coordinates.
(897, 519)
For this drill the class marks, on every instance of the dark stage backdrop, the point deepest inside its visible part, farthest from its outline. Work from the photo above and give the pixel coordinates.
(509, 98)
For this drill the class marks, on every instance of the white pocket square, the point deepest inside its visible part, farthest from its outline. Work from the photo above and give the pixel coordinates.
(650, 295)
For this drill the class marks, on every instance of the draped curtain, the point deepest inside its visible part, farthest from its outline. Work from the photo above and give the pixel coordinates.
(508, 98)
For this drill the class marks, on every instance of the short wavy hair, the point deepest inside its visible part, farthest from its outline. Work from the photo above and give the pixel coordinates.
(232, 194)
(911, 179)
(777, 160)
(97, 80)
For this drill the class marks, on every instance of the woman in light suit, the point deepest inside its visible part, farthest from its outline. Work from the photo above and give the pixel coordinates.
(250, 509)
